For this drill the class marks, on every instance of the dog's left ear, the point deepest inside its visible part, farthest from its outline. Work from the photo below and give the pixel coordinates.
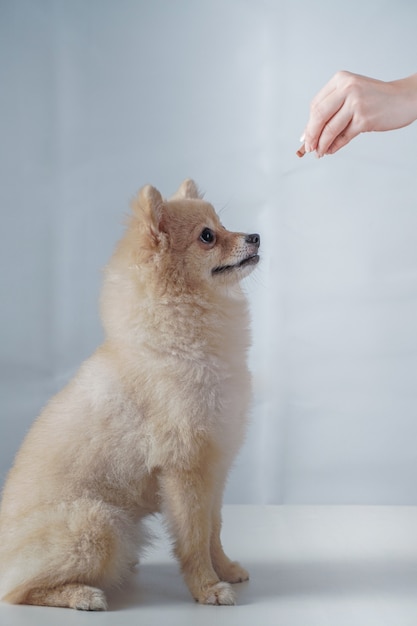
(148, 206)
(187, 189)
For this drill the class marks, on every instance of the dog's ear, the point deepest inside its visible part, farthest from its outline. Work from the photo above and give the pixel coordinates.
(148, 207)
(187, 189)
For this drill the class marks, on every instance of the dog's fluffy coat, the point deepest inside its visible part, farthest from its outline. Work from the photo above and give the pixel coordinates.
(151, 421)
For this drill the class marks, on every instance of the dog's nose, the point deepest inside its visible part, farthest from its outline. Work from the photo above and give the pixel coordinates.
(254, 239)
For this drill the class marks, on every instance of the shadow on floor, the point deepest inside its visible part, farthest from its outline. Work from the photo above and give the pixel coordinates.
(159, 584)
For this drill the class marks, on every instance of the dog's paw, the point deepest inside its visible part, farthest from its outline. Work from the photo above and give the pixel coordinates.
(234, 573)
(71, 595)
(89, 599)
(231, 572)
(218, 594)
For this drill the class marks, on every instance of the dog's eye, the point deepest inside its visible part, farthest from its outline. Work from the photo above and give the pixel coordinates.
(207, 236)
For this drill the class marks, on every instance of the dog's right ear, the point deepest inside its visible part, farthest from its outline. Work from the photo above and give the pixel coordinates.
(187, 189)
(148, 207)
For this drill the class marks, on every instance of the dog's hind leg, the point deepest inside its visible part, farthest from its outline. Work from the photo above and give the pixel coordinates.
(71, 595)
(64, 555)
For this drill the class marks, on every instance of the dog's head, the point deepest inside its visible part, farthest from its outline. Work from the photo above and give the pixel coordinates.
(183, 242)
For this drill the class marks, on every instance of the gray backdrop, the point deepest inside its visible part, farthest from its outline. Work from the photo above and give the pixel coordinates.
(98, 97)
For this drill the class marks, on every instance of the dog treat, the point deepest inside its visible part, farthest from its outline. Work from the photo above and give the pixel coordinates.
(301, 152)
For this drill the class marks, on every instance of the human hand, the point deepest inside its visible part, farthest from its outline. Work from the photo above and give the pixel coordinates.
(350, 104)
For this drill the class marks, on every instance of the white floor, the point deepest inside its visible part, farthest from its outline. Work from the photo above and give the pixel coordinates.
(309, 566)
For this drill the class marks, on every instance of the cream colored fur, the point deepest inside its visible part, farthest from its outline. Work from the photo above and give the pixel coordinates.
(151, 422)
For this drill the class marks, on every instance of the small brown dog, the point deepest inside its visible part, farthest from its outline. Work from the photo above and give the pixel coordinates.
(151, 422)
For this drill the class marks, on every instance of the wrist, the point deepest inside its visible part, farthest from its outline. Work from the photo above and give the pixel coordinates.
(407, 90)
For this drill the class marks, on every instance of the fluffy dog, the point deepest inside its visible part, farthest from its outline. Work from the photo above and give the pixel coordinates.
(151, 422)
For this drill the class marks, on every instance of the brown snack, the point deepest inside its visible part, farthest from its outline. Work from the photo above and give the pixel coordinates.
(301, 152)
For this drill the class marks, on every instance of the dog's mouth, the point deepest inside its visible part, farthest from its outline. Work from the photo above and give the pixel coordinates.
(223, 269)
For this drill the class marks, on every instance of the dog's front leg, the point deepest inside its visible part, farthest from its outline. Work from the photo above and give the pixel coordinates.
(230, 571)
(187, 498)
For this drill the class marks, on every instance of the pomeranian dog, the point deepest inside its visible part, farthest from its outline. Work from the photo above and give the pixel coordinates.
(150, 423)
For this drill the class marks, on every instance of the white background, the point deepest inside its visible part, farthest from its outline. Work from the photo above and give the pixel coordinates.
(98, 97)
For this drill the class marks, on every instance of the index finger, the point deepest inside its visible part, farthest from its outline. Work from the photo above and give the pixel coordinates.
(323, 106)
